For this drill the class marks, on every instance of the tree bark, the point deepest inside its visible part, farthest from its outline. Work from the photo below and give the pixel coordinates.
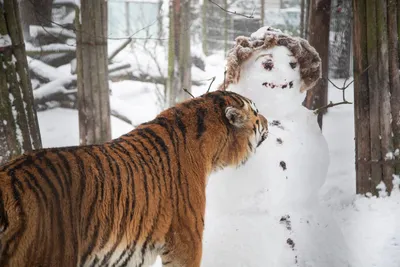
(361, 98)
(35, 12)
(185, 61)
(394, 81)
(172, 82)
(179, 60)
(377, 95)
(307, 19)
(262, 16)
(318, 37)
(92, 71)
(302, 9)
(384, 92)
(204, 27)
(226, 26)
(19, 128)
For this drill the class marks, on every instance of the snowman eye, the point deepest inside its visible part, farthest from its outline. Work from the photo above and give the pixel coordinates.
(293, 65)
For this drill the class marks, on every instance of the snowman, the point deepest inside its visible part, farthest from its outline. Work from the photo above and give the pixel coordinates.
(267, 213)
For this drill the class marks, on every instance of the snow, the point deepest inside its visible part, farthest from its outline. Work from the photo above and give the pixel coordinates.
(279, 185)
(43, 69)
(50, 48)
(263, 31)
(5, 40)
(60, 127)
(150, 58)
(362, 230)
(53, 87)
(381, 187)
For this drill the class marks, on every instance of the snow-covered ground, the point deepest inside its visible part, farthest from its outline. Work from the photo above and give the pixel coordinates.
(371, 226)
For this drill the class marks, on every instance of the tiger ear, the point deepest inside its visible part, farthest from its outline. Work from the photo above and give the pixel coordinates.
(235, 116)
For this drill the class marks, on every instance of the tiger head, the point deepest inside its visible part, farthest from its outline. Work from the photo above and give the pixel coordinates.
(223, 127)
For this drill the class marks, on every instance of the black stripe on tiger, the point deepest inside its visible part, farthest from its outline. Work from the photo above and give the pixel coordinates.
(173, 136)
(201, 126)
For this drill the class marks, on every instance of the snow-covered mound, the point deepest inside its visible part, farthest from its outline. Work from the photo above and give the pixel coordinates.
(269, 211)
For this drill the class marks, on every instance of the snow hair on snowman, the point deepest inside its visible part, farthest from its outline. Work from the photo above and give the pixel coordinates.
(273, 66)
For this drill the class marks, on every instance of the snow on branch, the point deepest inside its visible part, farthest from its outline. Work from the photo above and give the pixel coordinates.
(5, 41)
(43, 71)
(54, 87)
(49, 49)
(36, 31)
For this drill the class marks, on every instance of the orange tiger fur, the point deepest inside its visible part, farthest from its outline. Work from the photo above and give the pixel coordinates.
(130, 199)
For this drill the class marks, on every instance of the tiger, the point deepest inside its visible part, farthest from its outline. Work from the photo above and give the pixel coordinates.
(128, 200)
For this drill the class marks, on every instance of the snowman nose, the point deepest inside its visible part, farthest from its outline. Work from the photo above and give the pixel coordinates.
(268, 64)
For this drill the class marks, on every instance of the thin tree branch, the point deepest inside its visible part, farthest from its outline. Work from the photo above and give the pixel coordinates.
(331, 104)
(234, 12)
(343, 89)
(187, 91)
(209, 87)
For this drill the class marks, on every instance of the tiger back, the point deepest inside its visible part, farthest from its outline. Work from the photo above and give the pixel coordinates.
(128, 200)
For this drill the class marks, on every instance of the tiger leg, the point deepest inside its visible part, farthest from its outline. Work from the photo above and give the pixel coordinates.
(183, 247)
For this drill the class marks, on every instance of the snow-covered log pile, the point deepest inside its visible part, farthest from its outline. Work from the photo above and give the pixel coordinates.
(52, 66)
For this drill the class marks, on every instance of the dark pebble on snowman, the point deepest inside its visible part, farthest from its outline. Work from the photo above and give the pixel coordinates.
(286, 221)
(279, 141)
(277, 124)
(283, 165)
(290, 242)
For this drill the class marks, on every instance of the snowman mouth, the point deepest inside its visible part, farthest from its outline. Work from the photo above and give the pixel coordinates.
(275, 85)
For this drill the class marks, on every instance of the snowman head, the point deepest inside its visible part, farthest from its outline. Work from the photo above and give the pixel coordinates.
(272, 67)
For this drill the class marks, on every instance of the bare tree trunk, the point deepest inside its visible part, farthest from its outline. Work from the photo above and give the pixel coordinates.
(319, 24)
(92, 64)
(226, 26)
(376, 146)
(172, 79)
(19, 129)
(307, 20)
(204, 27)
(35, 12)
(302, 7)
(185, 61)
(263, 12)
(179, 60)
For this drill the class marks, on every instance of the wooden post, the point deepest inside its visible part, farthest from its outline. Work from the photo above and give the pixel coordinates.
(394, 81)
(361, 99)
(386, 141)
(376, 93)
(92, 64)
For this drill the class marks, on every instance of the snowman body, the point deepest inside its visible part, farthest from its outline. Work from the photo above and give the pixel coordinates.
(267, 213)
